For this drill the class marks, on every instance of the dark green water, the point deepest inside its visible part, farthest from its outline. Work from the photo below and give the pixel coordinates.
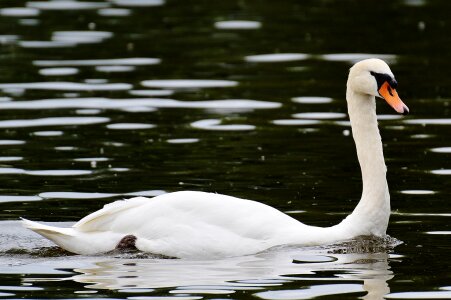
(81, 125)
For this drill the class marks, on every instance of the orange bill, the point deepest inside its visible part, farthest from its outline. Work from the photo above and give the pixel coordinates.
(391, 96)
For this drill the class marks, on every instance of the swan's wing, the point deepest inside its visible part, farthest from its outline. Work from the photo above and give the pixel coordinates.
(102, 218)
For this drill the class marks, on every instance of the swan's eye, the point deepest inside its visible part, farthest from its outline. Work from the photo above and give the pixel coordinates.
(381, 78)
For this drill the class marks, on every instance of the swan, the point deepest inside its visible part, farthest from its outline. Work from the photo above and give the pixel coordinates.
(190, 224)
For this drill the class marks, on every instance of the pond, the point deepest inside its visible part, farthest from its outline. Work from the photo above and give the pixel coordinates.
(106, 100)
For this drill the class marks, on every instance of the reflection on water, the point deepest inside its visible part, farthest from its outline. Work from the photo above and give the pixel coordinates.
(282, 269)
(109, 99)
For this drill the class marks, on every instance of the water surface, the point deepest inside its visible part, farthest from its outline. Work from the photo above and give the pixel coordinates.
(105, 100)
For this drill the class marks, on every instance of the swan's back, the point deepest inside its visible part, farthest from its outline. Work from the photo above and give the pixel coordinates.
(180, 211)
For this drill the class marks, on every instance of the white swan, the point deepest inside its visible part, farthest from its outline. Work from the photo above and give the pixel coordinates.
(205, 225)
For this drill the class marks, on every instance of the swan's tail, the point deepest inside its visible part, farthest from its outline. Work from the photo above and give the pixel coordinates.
(73, 240)
(58, 235)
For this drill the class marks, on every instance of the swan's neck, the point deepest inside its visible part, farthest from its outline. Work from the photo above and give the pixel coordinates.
(373, 211)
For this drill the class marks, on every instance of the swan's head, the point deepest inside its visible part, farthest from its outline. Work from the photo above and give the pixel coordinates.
(374, 77)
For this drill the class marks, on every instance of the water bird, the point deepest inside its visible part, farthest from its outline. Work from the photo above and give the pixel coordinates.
(190, 224)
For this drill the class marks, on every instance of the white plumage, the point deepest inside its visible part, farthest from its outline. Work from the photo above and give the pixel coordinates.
(204, 225)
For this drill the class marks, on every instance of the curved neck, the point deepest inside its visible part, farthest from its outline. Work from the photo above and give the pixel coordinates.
(373, 211)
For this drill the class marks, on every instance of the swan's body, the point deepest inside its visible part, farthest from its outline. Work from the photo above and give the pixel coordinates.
(198, 224)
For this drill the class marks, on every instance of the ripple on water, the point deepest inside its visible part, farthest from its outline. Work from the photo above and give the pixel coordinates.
(439, 232)
(8, 39)
(320, 115)
(88, 111)
(66, 5)
(10, 158)
(58, 71)
(114, 12)
(355, 57)
(237, 24)
(428, 121)
(151, 193)
(19, 12)
(133, 61)
(48, 133)
(420, 295)
(10, 198)
(215, 124)
(151, 93)
(389, 117)
(81, 37)
(62, 121)
(182, 141)
(91, 159)
(11, 142)
(105, 103)
(295, 122)
(45, 172)
(165, 298)
(130, 126)
(46, 44)
(441, 150)
(66, 86)
(417, 192)
(312, 291)
(115, 69)
(188, 83)
(75, 195)
(441, 172)
(312, 100)
(138, 3)
(276, 57)
(59, 172)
